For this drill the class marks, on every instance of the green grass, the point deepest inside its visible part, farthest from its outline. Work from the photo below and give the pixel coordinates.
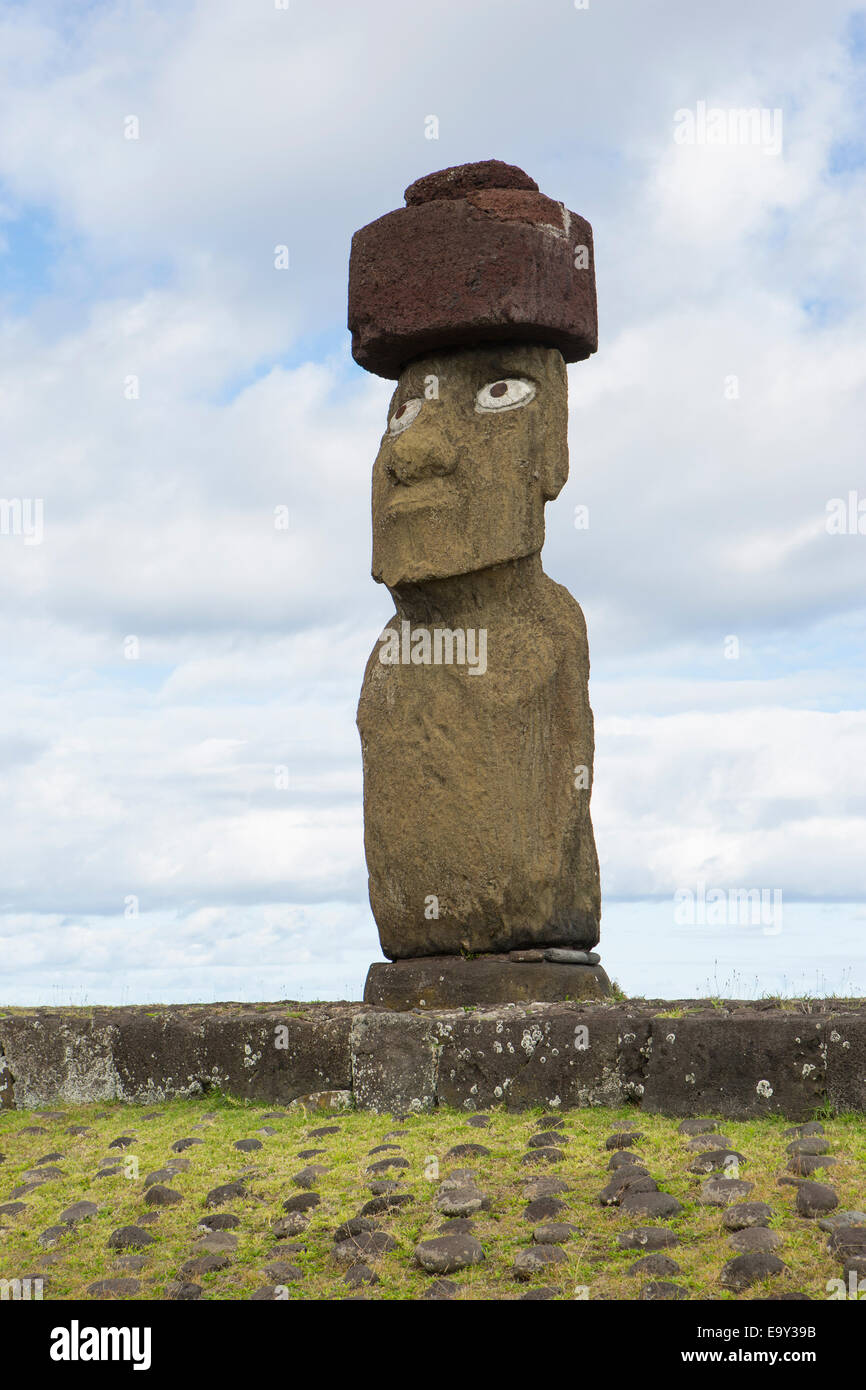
(594, 1259)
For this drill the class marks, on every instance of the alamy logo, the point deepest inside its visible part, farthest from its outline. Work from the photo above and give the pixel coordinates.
(22, 516)
(717, 125)
(20, 1290)
(422, 646)
(76, 1343)
(729, 907)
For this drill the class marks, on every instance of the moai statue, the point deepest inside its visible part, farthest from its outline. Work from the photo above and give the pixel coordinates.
(476, 729)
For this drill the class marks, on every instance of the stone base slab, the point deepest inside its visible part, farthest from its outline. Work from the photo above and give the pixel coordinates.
(738, 1059)
(452, 982)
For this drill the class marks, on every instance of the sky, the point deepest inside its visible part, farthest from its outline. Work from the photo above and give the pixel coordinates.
(180, 773)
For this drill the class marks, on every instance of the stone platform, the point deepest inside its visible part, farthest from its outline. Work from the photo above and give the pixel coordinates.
(451, 982)
(730, 1058)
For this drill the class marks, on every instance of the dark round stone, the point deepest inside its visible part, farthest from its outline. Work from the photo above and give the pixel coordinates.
(302, 1201)
(815, 1199)
(743, 1271)
(204, 1264)
(280, 1272)
(661, 1291)
(700, 1124)
(220, 1221)
(468, 1151)
(553, 1233)
(654, 1265)
(248, 1146)
(814, 1146)
(391, 1201)
(440, 1291)
(647, 1238)
(79, 1211)
(160, 1196)
(804, 1165)
(368, 1245)
(543, 1209)
(717, 1161)
(129, 1238)
(623, 1158)
(651, 1204)
(114, 1288)
(383, 1164)
(546, 1139)
(623, 1140)
(185, 1292)
(537, 1258)
(445, 1254)
(226, 1192)
(754, 1238)
(743, 1214)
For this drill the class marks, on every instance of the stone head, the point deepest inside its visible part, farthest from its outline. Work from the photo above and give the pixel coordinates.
(475, 444)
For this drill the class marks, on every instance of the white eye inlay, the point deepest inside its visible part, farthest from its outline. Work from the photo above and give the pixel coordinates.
(506, 394)
(404, 415)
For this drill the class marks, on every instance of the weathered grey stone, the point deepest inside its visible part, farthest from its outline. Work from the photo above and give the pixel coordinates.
(746, 1064)
(145, 1055)
(409, 1081)
(571, 1054)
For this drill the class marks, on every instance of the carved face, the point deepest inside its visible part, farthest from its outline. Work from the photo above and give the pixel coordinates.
(475, 446)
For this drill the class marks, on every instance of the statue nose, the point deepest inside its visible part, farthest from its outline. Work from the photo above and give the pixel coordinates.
(424, 456)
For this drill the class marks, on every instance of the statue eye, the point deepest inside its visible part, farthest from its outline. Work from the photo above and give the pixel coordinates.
(506, 394)
(404, 415)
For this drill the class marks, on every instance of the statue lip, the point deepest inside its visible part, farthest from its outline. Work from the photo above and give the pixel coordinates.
(430, 493)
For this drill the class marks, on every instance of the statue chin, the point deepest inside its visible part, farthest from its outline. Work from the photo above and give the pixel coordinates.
(399, 560)
(395, 574)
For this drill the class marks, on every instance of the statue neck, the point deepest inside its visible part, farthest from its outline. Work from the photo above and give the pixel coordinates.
(465, 600)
